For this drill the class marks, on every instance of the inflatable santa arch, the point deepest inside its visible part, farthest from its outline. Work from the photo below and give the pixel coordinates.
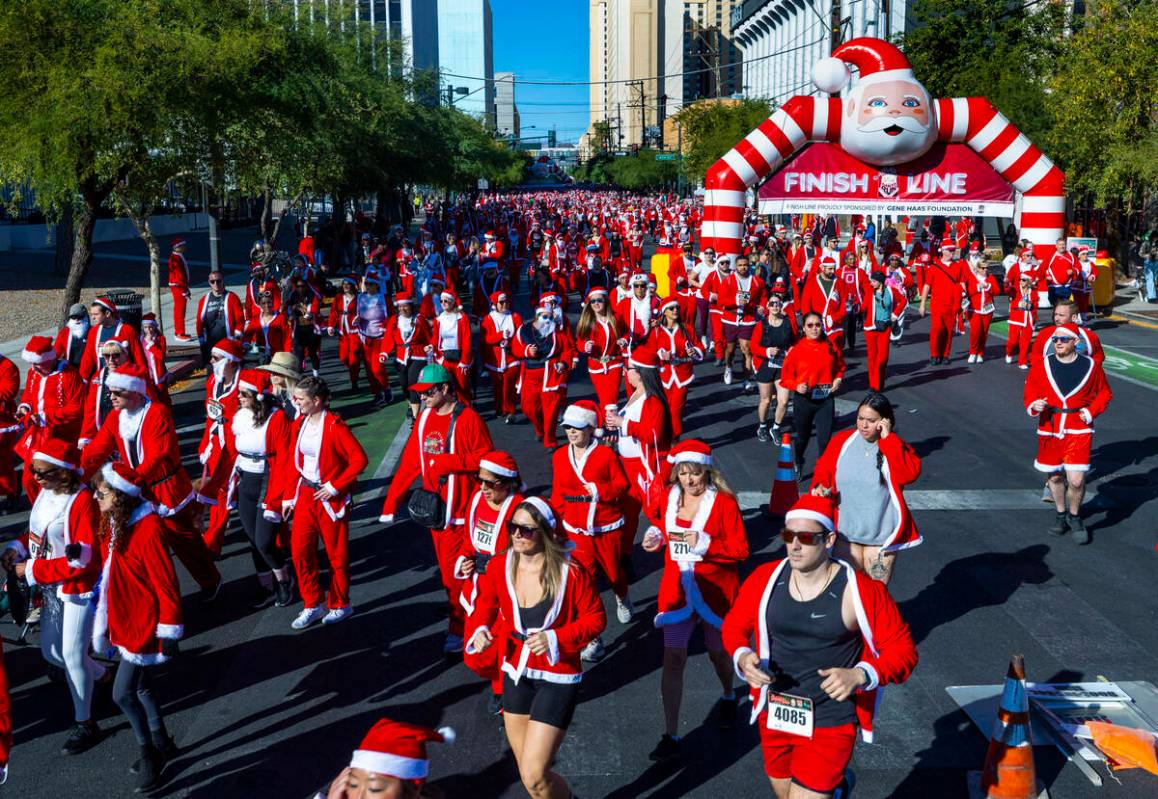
(887, 119)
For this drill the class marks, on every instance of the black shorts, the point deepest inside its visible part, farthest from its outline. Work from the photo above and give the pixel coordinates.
(767, 374)
(546, 702)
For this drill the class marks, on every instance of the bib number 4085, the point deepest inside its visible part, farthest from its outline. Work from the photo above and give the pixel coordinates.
(790, 714)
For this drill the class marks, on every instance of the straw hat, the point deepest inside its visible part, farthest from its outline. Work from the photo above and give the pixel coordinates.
(283, 364)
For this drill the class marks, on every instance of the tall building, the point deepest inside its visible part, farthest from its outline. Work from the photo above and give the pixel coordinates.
(780, 40)
(506, 111)
(413, 22)
(466, 47)
(701, 58)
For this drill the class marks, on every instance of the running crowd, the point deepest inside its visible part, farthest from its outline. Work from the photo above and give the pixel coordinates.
(432, 322)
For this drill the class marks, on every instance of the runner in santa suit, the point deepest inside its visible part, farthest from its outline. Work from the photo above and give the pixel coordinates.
(867, 468)
(258, 284)
(685, 295)
(1066, 313)
(139, 610)
(900, 278)
(642, 431)
(60, 552)
(445, 447)
(156, 348)
(50, 406)
(451, 345)
(637, 314)
(771, 338)
(856, 285)
(1022, 315)
(635, 247)
(9, 434)
(1082, 282)
(316, 487)
(219, 316)
(70, 339)
(589, 487)
(945, 279)
(1065, 391)
(498, 328)
(622, 289)
(546, 351)
(372, 320)
(595, 276)
(268, 330)
(453, 253)
(488, 511)
(880, 314)
(813, 683)
(1058, 272)
(538, 608)
(214, 452)
(797, 257)
(676, 348)
(178, 269)
(742, 297)
(599, 334)
(405, 340)
(697, 523)
(98, 395)
(980, 289)
(711, 286)
(812, 373)
(105, 325)
(342, 322)
(490, 281)
(494, 249)
(826, 296)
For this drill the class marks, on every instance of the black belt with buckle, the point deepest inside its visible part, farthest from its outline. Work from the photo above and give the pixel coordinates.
(311, 484)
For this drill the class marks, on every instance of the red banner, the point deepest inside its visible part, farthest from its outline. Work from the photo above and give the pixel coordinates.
(949, 180)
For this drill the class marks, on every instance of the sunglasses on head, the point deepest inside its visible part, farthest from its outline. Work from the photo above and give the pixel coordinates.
(808, 539)
(522, 530)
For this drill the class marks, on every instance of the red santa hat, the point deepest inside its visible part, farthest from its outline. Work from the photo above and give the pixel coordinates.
(828, 260)
(123, 478)
(178, 241)
(397, 749)
(148, 319)
(403, 298)
(1083, 248)
(106, 303)
(499, 296)
(547, 512)
(1069, 329)
(447, 295)
(490, 234)
(229, 349)
(39, 350)
(129, 377)
(256, 381)
(690, 451)
(59, 453)
(669, 303)
(639, 277)
(500, 463)
(624, 270)
(876, 61)
(923, 258)
(583, 413)
(548, 296)
(975, 247)
(596, 292)
(818, 509)
(643, 357)
(948, 243)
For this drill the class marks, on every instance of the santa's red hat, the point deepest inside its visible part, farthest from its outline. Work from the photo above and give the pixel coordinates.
(923, 258)
(596, 292)
(229, 349)
(643, 357)
(59, 453)
(123, 478)
(875, 59)
(827, 260)
(106, 303)
(548, 296)
(583, 413)
(177, 242)
(975, 247)
(403, 297)
(39, 350)
(398, 749)
(818, 509)
(256, 381)
(500, 463)
(547, 512)
(690, 451)
(490, 234)
(948, 243)
(130, 377)
(1069, 329)
(669, 303)
(149, 318)
(499, 296)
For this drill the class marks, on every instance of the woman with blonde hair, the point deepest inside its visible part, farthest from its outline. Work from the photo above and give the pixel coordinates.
(597, 335)
(543, 610)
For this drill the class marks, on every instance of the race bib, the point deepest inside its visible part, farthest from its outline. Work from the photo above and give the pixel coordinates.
(821, 392)
(484, 536)
(214, 409)
(742, 297)
(681, 551)
(35, 544)
(791, 714)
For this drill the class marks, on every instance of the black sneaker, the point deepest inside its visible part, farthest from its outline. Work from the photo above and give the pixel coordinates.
(762, 433)
(409, 413)
(1078, 530)
(667, 748)
(799, 468)
(1060, 524)
(726, 712)
(495, 704)
(389, 396)
(149, 768)
(283, 593)
(380, 399)
(264, 597)
(207, 595)
(164, 744)
(510, 419)
(84, 736)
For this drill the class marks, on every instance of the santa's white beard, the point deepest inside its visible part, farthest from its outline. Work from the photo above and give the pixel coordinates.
(78, 328)
(544, 326)
(872, 145)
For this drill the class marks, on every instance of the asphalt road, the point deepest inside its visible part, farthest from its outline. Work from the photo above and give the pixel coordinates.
(260, 710)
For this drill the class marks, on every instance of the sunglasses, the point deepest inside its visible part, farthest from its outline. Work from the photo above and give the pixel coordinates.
(216, 282)
(808, 539)
(117, 393)
(41, 474)
(486, 483)
(522, 530)
(1061, 339)
(599, 300)
(99, 493)
(430, 392)
(811, 325)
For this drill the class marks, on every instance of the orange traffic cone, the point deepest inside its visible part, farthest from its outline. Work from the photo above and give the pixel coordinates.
(784, 490)
(1008, 772)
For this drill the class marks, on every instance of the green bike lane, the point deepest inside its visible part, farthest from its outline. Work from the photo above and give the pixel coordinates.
(1119, 362)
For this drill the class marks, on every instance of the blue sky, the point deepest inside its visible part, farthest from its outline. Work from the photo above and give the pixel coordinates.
(537, 44)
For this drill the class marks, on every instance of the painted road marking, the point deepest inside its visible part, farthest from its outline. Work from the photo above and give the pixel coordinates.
(951, 500)
(1138, 322)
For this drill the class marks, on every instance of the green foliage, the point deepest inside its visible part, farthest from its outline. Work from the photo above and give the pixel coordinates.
(635, 172)
(711, 129)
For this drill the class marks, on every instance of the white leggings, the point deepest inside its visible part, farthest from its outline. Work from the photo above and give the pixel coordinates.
(65, 631)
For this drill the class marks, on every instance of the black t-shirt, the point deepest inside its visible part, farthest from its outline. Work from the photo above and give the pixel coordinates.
(1067, 376)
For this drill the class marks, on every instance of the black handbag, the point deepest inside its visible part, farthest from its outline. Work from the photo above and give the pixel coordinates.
(452, 355)
(428, 508)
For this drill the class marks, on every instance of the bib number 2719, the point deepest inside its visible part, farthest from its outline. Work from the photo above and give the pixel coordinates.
(790, 714)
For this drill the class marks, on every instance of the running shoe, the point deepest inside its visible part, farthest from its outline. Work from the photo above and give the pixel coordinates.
(762, 433)
(624, 610)
(1060, 524)
(307, 617)
(452, 645)
(207, 595)
(338, 614)
(593, 652)
(283, 593)
(264, 597)
(84, 736)
(667, 748)
(1078, 530)
(727, 375)
(1009, 359)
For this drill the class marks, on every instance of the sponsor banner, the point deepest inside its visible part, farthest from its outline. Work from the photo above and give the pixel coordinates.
(1003, 210)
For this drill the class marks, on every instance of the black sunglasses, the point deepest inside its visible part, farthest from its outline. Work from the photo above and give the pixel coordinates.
(808, 539)
(522, 530)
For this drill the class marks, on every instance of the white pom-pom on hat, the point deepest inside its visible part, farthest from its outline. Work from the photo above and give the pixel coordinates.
(830, 75)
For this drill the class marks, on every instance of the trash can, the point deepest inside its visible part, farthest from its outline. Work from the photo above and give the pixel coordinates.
(128, 305)
(1104, 283)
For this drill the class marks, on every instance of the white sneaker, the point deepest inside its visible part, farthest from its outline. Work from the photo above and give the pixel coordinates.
(1009, 359)
(593, 652)
(453, 644)
(1023, 366)
(727, 375)
(980, 358)
(307, 617)
(970, 359)
(337, 614)
(624, 610)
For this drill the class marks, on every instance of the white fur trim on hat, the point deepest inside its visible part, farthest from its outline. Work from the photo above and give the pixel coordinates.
(690, 457)
(226, 355)
(802, 513)
(543, 508)
(123, 382)
(494, 468)
(38, 357)
(669, 304)
(446, 295)
(245, 385)
(575, 416)
(119, 483)
(404, 768)
(57, 462)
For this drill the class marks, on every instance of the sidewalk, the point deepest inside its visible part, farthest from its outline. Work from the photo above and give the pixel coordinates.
(1129, 307)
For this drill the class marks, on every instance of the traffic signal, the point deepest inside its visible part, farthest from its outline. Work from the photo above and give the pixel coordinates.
(551, 137)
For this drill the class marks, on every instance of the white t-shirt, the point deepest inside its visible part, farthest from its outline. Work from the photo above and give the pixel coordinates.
(249, 438)
(310, 445)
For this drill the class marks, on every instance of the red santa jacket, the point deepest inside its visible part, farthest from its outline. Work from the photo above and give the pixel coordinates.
(652, 432)
(269, 337)
(980, 293)
(683, 352)
(830, 305)
(155, 353)
(870, 307)
(1022, 305)
(901, 466)
(213, 450)
(340, 461)
(54, 407)
(253, 289)
(64, 342)
(485, 534)
(410, 346)
(1092, 395)
(582, 513)
(90, 361)
(156, 456)
(465, 350)
(574, 619)
(561, 352)
(9, 395)
(1088, 341)
(604, 354)
(710, 289)
(343, 315)
(797, 263)
(707, 583)
(1060, 269)
(178, 271)
(739, 304)
(856, 284)
(496, 329)
(458, 464)
(888, 654)
(234, 316)
(73, 576)
(635, 323)
(140, 601)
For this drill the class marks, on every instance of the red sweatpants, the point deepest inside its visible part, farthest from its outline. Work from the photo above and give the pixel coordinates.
(717, 324)
(503, 387)
(1083, 301)
(461, 380)
(9, 482)
(542, 407)
(310, 520)
(377, 375)
(606, 388)
(978, 332)
(676, 399)
(350, 353)
(604, 550)
(446, 550)
(179, 304)
(876, 343)
(183, 537)
(941, 321)
(1020, 341)
(214, 534)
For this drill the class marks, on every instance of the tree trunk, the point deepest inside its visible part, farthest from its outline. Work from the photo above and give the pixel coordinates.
(265, 224)
(64, 241)
(143, 223)
(83, 226)
(277, 224)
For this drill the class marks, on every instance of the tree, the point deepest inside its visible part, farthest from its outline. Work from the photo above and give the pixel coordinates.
(711, 128)
(1104, 102)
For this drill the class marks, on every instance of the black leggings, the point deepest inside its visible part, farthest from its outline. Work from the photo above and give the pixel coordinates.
(805, 412)
(408, 375)
(261, 532)
(852, 321)
(133, 693)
